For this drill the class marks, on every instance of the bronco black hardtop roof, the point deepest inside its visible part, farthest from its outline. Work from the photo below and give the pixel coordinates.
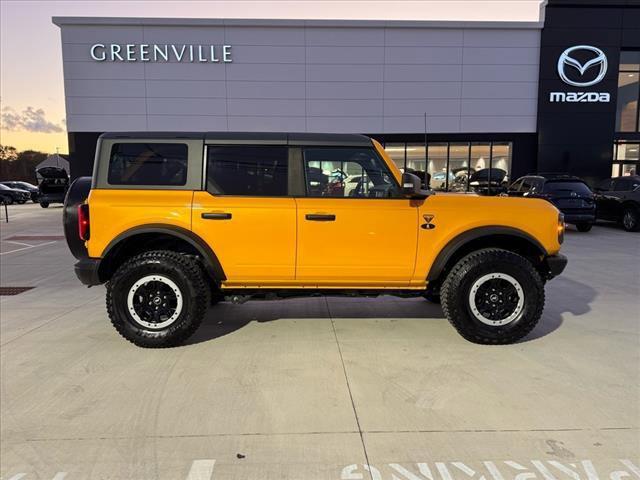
(253, 138)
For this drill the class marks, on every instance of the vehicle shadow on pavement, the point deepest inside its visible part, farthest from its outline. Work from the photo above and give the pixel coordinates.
(225, 318)
(563, 295)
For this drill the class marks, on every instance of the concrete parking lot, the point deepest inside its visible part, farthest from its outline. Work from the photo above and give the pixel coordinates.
(318, 388)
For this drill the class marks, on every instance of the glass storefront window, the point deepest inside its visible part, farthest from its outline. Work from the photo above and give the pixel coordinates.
(501, 158)
(626, 159)
(458, 167)
(416, 158)
(629, 169)
(437, 165)
(480, 156)
(630, 60)
(397, 153)
(417, 161)
(451, 165)
(627, 112)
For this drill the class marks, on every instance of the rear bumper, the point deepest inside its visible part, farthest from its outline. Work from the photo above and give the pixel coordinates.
(554, 265)
(582, 217)
(87, 271)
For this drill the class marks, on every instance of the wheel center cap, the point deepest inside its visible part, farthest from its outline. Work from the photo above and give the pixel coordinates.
(493, 298)
(157, 300)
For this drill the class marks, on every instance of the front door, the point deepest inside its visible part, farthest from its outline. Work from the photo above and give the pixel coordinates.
(245, 215)
(354, 227)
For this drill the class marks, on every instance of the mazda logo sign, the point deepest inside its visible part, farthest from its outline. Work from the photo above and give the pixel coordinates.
(566, 60)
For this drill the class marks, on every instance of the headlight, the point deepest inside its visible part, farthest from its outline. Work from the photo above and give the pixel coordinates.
(561, 227)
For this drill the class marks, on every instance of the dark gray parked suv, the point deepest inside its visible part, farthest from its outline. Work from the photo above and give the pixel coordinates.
(571, 195)
(618, 200)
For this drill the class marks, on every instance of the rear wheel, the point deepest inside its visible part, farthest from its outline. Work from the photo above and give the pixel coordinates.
(157, 299)
(44, 204)
(631, 219)
(584, 227)
(493, 296)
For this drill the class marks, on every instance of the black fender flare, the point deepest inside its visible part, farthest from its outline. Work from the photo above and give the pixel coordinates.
(212, 263)
(464, 238)
(76, 195)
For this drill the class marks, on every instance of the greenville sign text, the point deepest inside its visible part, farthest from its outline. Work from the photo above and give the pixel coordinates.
(145, 52)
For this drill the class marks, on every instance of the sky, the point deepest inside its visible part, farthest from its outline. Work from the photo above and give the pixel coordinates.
(31, 83)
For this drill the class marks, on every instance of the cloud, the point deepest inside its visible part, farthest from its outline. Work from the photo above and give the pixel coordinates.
(29, 119)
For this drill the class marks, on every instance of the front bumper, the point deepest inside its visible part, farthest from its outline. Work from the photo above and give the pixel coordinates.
(87, 271)
(554, 265)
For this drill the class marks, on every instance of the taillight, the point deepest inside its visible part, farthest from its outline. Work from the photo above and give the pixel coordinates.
(561, 227)
(83, 222)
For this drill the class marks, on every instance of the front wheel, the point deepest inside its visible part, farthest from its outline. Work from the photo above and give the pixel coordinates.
(157, 299)
(631, 219)
(584, 227)
(493, 296)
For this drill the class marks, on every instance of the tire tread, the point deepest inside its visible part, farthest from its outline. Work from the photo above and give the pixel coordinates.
(451, 308)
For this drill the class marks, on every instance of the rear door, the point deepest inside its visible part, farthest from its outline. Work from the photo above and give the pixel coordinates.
(363, 237)
(246, 215)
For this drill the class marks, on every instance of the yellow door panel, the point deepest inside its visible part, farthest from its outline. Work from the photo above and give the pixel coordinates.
(253, 237)
(358, 242)
(113, 212)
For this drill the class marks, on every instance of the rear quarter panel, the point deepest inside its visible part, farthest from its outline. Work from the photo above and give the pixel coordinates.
(113, 212)
(455, 214)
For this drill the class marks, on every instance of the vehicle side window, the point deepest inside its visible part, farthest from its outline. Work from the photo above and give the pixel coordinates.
(347, 172)
(148, 164)
(259, 171)
(622, 185)
(526, 185)
(515, 186)
(605, 185)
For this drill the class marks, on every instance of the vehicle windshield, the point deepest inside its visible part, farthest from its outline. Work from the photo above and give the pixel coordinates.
(556, 187)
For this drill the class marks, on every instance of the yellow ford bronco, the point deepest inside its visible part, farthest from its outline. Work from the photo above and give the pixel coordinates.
(176, 222)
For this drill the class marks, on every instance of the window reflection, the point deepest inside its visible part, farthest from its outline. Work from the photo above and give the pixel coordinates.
(397, 153)
(450, 166)
(628, 113)
(626, 159)
(458, 167)
(437, 165)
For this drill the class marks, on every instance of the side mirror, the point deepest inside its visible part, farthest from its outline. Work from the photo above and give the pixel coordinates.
(412, 186)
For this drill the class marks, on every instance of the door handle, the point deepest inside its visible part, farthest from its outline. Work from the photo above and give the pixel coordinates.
(320, 217)
(216, 216)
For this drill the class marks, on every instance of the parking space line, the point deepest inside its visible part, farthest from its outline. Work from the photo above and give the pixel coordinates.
(19, 243)
(26, 248)
(201, 470)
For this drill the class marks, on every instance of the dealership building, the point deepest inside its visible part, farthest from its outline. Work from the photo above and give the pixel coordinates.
(558, 95)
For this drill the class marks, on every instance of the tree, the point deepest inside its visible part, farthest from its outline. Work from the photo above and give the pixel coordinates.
(16, 165)
(8, 153)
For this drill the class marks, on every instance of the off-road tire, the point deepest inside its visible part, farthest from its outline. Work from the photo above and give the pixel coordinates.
(457, 286)
(633, 223)
(584, 227)
(184, 272)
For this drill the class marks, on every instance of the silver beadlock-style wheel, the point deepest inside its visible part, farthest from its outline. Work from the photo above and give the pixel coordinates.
(496, 299)
(154, 301)
(493, 296)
